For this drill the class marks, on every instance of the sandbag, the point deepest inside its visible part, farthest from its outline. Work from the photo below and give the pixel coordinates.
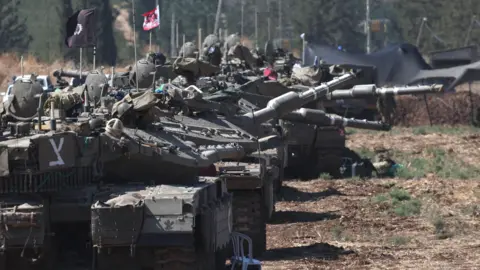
(62, 100)
(308, 76)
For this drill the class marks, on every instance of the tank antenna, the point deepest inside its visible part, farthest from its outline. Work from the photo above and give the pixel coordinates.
(21, 65)
(135, 45)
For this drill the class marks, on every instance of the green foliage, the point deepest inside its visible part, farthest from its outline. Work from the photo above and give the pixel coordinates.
(406, 208)
(39, 25)
(12, 27)
(438, 162)
(106, 46)
(440, 228)
(325, 176)
(399, 240)
(331, 22)
(399, 195)
(425, 130)
(399, 202)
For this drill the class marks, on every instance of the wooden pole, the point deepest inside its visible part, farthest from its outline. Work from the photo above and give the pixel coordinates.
(135, 45)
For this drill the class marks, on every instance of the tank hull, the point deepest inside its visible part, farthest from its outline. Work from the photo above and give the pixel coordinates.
(127, 226)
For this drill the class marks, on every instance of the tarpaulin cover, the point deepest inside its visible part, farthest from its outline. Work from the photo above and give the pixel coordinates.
(395, 65)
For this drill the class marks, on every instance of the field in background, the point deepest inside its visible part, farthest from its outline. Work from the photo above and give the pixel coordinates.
(425, 218)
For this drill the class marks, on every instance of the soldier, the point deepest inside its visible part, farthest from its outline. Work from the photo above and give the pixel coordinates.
(214, 55)
(188, 50)
(270, 74)
(210, 41)
(383, 163)
(231, 41)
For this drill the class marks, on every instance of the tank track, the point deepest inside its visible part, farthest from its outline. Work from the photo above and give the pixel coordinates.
(171, 258)
(250, 216)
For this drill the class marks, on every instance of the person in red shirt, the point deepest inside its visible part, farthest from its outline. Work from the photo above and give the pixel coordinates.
(270, 74)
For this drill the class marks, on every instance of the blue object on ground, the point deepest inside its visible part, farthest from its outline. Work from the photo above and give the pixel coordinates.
(393, 169)
(160, 89)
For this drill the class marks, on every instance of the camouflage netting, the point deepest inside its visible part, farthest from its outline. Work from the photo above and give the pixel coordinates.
(447, 109)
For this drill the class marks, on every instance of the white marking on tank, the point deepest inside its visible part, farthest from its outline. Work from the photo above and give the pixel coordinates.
(57, 150)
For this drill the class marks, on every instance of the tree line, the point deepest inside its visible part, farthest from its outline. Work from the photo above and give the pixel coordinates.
(37, 27)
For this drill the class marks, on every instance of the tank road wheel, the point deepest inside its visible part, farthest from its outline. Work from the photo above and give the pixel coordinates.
(269, 197)
(282, 157)
(250, 218)
(279, 181)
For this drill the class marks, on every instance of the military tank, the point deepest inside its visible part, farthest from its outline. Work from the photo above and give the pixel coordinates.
(63, 185)
(139, 202)
(37, 165)
(253, 179)
(316, 148)
(257, 178)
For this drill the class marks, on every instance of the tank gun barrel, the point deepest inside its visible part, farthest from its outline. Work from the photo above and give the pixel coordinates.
(291, 101)
(369, 90)
(319, 117)
(212, 154)
(69, 73)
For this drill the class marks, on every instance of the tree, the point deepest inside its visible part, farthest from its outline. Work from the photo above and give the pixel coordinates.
(106, 47)
(330, 22)
(13, 30)
(409, 16)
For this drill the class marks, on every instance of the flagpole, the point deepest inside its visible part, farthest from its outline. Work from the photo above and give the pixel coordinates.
(150, 41)
(199, 40)
(94, 56)
(176, 36)
(135, 45)
(81, 54)
(172, 36)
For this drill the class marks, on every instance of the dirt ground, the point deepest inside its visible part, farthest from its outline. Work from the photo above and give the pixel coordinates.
(353, 224)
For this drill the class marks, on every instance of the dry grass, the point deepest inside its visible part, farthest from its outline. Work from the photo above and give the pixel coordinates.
(10, 66)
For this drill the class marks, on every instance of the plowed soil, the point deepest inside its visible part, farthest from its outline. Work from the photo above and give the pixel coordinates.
(337, 224)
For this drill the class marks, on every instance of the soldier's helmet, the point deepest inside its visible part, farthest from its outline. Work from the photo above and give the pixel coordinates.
(232, 40)
(209, 41)
(188, 50)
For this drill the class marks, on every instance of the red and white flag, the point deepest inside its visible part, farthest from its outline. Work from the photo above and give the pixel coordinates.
(151, 19)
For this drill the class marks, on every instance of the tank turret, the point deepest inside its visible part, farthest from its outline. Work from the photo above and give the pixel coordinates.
(281, 105)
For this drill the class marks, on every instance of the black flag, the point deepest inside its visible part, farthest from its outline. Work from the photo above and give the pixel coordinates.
(81, 29)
